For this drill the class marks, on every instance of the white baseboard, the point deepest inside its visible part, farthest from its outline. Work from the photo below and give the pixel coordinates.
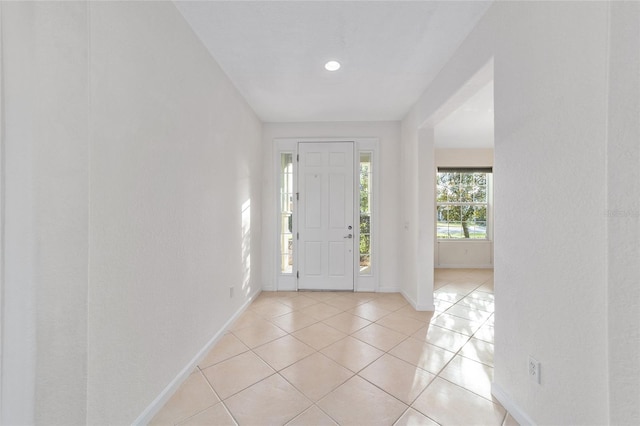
(429, 308)
(507, 402)
(412, 302)
(464, 266)
(388, 290)
(155, 406)
(416, 305)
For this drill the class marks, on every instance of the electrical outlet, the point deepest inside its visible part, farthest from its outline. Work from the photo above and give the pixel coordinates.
(534, 370)
(230, 292)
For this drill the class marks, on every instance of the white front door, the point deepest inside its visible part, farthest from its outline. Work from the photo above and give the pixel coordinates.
(325, 216)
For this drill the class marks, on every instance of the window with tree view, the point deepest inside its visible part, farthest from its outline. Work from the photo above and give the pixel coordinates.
(462, 203)
(365, 213)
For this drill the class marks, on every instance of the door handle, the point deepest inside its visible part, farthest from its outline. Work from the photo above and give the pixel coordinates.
(348, 236)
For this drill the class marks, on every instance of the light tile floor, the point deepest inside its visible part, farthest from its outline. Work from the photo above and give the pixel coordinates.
(327, 358)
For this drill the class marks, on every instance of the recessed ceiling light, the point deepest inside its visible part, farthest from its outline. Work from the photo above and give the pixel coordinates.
(332, 66)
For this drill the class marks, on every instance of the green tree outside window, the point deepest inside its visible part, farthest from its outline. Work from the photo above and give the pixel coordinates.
(462, 205)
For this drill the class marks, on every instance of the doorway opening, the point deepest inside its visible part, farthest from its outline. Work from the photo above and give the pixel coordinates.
(463, 152)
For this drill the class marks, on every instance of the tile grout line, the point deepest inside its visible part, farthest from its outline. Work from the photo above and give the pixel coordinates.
(458, 353)
(183, 420)
(318, 351)
(269, 319)
(278, 372)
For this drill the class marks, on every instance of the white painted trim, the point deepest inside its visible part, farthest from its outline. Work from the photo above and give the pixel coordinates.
(388, 289)
(463, 240)
(282, 146)
(425, 308)
(411, 301)
(415, 305)
(464, 266)
(507, 402)
(164, 396)
(368, 145)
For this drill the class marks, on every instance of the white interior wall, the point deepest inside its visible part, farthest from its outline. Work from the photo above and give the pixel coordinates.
(133, 171)
(417, 196)
(550, 71)
(566, 333)
(175, 158)
(464, 157)
(623, 214)
(388, 135)
(416, 231)
(18, 238)
(426, 217)
(555, 61)
(465, 254)
(45, 88)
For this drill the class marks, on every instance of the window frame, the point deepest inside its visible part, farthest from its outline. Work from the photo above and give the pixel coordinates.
(370, 281)
(371, 188)
(284, 281)
(488, 204)
(281, 233)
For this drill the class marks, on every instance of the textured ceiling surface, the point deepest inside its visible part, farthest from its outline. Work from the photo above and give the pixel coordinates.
(274, 52)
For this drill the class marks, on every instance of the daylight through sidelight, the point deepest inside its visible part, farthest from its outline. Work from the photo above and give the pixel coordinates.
(365, 212)
(286, 213)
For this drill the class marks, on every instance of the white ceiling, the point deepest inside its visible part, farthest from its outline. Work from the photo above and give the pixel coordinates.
(471, 125)
(274, 52)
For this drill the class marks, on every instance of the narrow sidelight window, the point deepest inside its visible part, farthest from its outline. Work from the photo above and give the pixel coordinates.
(365, 211)
(286, 213)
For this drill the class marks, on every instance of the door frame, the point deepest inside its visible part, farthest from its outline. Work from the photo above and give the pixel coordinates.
(289, 282)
